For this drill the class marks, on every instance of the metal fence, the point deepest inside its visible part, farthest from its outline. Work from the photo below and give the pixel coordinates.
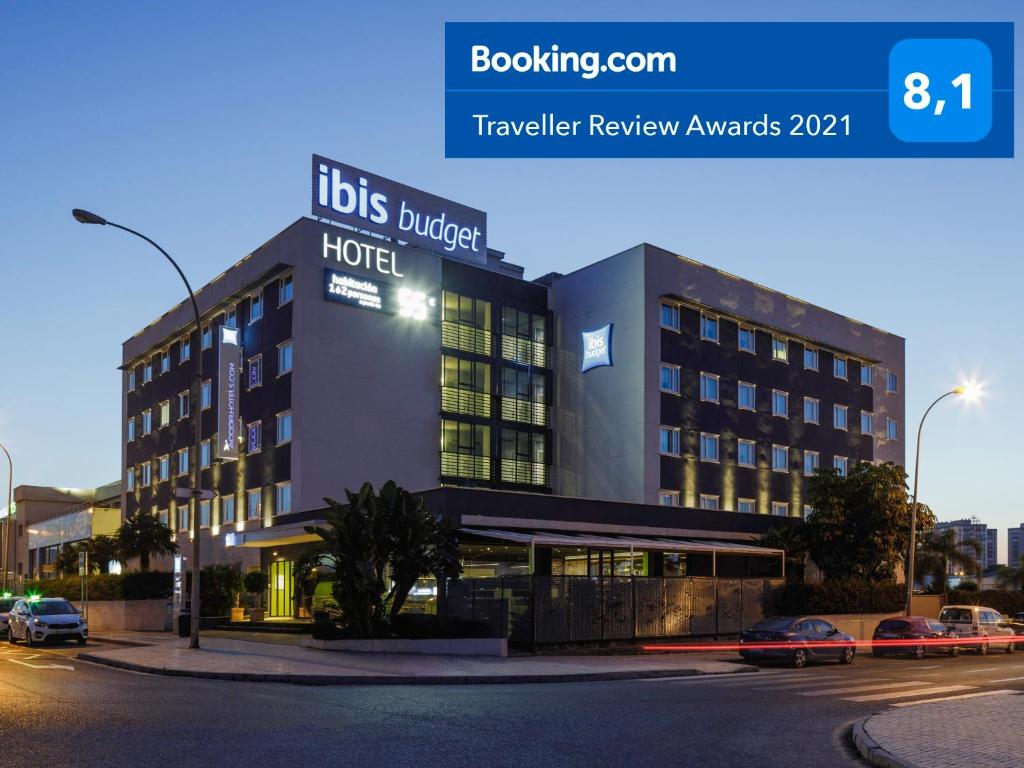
(552, 610)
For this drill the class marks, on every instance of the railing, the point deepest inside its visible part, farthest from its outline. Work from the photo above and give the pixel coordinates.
(525, 411)
(523, 472)
(466, 338)
(465, 465)
(468, 401)
(524, 351)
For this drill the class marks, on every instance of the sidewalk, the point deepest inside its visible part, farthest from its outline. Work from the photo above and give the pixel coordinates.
(979, 731)
(258, 659)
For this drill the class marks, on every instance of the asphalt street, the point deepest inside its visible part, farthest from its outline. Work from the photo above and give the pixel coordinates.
(59, 711)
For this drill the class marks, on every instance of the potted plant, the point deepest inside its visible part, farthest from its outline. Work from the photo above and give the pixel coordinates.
(256, 583)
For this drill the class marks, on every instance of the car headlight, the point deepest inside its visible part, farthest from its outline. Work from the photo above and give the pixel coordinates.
(39, 623)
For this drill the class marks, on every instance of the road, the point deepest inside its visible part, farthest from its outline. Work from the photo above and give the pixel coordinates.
(56, 710)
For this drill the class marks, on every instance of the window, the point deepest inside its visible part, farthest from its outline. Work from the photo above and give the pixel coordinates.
(285, 290)
(709, 387)
(284, 358)
(668, 498)
(129, 479)
(131, 380)
(746, 453)
(183, 462)
(811, 462)
(204, 513)
(254, 437)
(892, 382)
(147, 372)
(867, 423)
(253, 504)
(780, 403)
(164, 516)
(145, 474)
(865, 374)
(892, 429)
(164, 471)
(746, 396)
(668, 440)
(708, 501)
(205, 395)
(780, 509)
(839, 367)
(745, 506)
(746, 340)
(165, 413)
(131, 429)
(255, 376)
(669, 377)
(231, 318)
(256, 307)
(183, 404)
(708, 447)
(284, 427)
(670, 316)
(227, 509)
(780, 349)
(147, 421)
(204, 454)
(812, 411)
(284, 499)
(207, 341)
(165, 361)
(842, 464)
(183, 515)
(185, 349)
(839, 417)
(810, 358)
(780, 458)
(709, 328)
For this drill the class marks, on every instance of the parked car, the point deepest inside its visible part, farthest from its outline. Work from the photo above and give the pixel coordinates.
(978, 621)
(796, 639)
(36, 621)
(1016, 624)
(904, 628)
(6, 604)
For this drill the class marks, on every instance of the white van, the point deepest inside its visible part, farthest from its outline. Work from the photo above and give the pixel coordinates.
(977, 621)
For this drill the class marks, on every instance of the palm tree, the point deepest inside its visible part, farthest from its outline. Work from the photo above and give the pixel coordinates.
(143, 536)
(1012, 576)
(792, 542)
(103, 550)
(939, 549)
(66, 562)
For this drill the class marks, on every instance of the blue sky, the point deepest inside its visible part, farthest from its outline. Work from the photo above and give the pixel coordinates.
(194, 123)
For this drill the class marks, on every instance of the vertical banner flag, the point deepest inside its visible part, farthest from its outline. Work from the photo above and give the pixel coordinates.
(228, 380)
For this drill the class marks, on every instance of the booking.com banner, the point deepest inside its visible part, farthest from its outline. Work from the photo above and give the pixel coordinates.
(728, 89)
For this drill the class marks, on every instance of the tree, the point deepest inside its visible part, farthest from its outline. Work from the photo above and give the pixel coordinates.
(143, 536)
(860, 528)
(103, 550)
(939, 549)
(791, 540)
(256, 583)
(66, 563)
(1012, 576)
(370, 537)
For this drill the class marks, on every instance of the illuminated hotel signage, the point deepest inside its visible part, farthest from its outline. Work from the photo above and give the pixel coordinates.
(597, 348)
(366, 201)
(229, 357)
(378, 296)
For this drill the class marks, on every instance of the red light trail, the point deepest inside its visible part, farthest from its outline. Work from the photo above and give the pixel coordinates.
(766, 645)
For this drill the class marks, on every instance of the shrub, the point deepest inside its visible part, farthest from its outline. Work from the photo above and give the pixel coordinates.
(256, 582)
(407, 626)
(1003, 600)
(219, 587)
(147, 585)
(153, 585)
(967, 586)
(843, 596)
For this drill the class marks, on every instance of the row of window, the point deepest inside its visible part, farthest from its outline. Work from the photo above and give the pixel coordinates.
(714, 501)
(466, 310)
(161, 362)
(227, 504)
(746, 452)
(747, 338)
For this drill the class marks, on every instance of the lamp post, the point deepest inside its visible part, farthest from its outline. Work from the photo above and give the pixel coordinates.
(913, 504)
(6, 536)
(85, 217)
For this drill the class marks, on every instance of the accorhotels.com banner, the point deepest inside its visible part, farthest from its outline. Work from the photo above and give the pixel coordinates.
(229, 368)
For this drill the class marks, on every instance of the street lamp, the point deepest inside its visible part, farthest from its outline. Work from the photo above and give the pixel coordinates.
(969, 392)
(6, 537)
(85, 217)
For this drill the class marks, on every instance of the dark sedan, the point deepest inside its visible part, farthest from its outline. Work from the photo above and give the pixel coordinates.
(796, 639)
(898, 633)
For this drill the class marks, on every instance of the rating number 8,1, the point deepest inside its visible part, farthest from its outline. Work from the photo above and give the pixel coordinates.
(917, 96)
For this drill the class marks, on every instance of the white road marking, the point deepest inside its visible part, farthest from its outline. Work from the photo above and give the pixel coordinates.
(905, 694)
(951, 698)
(862, 688)
(932, 666)
(41, 666)
(1007, 680)
(983, 669)
(812, 683)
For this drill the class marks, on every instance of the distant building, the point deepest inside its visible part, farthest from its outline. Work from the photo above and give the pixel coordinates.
(1015, 544)
(972, 529)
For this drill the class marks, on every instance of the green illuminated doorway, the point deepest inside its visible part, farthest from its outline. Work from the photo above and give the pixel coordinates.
(282, 588)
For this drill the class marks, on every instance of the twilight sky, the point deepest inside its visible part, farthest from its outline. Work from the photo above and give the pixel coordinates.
(195, 123)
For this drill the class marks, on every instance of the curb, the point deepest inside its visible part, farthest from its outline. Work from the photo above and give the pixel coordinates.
(872, 751)
(252, 677)
(126, 643)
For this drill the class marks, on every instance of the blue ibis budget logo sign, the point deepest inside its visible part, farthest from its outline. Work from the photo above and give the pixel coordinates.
(597, 348)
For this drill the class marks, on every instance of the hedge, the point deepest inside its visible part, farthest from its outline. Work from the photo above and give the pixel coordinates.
(846, 596)
(1004, 601)
(148, 585)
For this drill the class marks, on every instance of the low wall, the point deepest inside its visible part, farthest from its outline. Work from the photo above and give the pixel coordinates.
(860, 625)
(122, 615)
(470, 646)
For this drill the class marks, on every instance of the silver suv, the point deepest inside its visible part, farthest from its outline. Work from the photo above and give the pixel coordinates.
(977, 621)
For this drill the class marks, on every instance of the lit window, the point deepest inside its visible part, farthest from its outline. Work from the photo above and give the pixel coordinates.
(670, 316)
(185, 349)
(865, 374)
(254, 439)
(780, 349)
(746, 506)
(709, 387)
(164, 472)
(227, 509)
(747, 340)
(709, 328)
(284, 499)
(811, 462)
(131, 380)
(145, 474)
(668, 440)
(130, 479)
(206, 394)
(839, 417)
(842, 465)
(669, 378)
(780, 458)
(165, 361)
(746, 453)
(839, 367)
(165, 413)
(780, 509)
(284, 358)
(183, 462)
(183, 404)
(131, 429)
(780, 403)
(892, 382)
(810, 358)
(204, 454)
(207, 337)
(204, 513)
(256, 307)
(284, 427)
(255, 377)
(867, 423)
(147, 372)
(812, 411)
(892, 429)
(708, 447)
(708, 501)
(147, 421)
(285, 290)
(746, 396)
(668, 498)
(253, 504)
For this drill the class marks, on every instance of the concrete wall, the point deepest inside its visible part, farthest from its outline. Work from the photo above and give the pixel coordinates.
(860, 625)
(122, 615)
